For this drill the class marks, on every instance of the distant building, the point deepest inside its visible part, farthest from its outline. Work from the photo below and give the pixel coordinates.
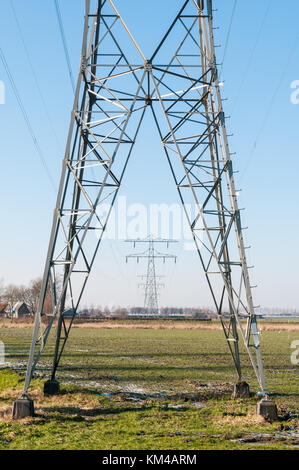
(20, 310)
(280, 315)
(4, 309)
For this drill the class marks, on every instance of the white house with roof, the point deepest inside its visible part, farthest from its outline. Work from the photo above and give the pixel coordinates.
(20, 310)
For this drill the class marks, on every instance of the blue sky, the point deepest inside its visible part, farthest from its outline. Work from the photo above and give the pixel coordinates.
(260, 63)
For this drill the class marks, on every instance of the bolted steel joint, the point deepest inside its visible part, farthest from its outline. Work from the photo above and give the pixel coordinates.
(148, 67)
(83, 64)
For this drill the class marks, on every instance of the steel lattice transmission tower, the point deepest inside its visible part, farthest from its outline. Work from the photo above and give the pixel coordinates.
(179, 86)
(151, 286)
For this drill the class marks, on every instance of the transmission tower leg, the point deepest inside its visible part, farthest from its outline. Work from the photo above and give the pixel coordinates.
(202, 169)
(51, 386)
(101, 138)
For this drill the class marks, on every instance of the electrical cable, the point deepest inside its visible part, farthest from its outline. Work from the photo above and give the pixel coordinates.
(252, 54)
(66, 52)
(26, 117)
(268, 111)
(228, 37)
(33, 72)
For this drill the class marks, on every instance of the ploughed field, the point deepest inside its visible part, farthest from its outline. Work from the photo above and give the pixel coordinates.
(143, 387)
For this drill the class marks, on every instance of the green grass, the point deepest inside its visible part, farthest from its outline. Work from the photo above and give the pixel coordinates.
(169, 389)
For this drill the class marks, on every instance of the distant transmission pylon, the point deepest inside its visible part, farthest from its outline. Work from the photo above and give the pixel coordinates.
(179, 86)
(151, 286)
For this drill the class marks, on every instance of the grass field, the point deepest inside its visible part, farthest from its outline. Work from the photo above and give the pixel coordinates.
(149, 388)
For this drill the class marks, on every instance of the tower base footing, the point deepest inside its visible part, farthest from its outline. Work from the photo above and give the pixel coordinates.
(51, 387)
(267, 409)
(23, 408)
(241, 390)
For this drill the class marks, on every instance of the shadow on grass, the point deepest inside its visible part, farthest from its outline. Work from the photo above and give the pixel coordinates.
(223, 392)
(276, 394)
(70, 413)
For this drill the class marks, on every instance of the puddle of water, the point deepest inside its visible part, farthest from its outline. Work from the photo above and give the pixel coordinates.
(260, 438)
(199, 405)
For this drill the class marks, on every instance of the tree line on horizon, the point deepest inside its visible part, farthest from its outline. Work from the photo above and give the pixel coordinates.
(12, 293)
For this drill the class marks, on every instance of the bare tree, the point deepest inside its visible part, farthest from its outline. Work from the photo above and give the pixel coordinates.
(1, 289)
(31, 294)
(121, 312)
(107, 312)
(28, 294)
(12, 294)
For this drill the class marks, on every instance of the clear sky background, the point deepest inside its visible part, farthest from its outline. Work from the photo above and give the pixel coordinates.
(260, 62)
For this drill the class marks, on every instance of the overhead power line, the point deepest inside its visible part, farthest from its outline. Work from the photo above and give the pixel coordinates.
(258, 35)
(26, 117)
(228, 35)
(33, 72)
(66, 52)
(271, 103)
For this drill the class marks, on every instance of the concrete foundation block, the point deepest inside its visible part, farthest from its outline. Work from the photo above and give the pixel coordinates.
(23, 408)
(51, 387)
(268, 409)
(241, 390)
